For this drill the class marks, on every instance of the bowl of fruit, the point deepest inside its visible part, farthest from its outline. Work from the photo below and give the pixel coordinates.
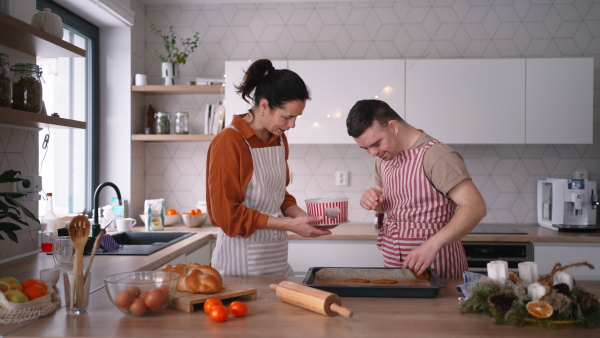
(194, 218)
(141, 293)
(17, 296)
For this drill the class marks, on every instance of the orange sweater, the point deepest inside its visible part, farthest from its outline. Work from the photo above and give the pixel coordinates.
(228, 172)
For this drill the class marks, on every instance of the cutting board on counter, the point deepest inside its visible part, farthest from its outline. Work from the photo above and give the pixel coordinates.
(189, 302)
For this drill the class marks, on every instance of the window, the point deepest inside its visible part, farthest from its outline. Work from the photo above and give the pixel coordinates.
(68, 159)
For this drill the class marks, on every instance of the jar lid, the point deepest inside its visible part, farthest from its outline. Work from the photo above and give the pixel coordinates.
(26, 67)
(161, 113)
(181, 113)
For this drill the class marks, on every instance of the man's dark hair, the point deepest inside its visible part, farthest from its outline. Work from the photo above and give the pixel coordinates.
(365, 112)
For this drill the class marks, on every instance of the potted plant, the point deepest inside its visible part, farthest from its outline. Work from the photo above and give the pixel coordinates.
(9, 207)
(176, 53)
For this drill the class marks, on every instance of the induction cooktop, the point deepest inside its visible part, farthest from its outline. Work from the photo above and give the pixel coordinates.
(496, 229)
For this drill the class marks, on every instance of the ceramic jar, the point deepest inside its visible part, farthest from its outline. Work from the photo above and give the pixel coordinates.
(48, 22)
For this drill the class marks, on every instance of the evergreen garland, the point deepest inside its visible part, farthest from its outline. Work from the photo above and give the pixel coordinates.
(489, 297)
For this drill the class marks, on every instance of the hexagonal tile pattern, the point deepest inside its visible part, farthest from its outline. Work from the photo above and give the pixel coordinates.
(505, 174)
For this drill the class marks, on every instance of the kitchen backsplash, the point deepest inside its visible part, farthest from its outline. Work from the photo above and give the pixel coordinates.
(505, 174)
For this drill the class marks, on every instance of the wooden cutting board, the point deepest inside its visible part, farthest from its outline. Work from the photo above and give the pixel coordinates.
(188, 302)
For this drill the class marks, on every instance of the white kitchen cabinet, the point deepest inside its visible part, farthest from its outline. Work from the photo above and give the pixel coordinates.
(234, 74)
(304, 254)
(548, 254)
(335, 86)
(467, 100)
(560, 101)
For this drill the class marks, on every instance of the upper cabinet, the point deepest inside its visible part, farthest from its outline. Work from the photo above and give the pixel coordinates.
(458, 101)
(560, 101)
(467, 101)
(23, 37)
(335, 86)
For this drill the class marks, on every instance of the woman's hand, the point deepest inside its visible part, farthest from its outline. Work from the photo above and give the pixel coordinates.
(300, 225)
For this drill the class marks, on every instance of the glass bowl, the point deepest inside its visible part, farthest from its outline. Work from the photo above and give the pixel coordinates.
(141, 293)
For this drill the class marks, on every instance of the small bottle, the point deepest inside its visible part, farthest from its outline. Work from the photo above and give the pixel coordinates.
(107, 216)
(49, 225)
(181, 122)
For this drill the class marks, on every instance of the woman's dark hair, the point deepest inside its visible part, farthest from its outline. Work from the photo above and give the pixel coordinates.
(277, 86)
(365, 112)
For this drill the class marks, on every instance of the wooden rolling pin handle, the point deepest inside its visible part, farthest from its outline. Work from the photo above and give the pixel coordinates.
(341, 310)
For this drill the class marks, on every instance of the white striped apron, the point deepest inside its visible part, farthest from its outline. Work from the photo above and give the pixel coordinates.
(415, 211)
(265, 252)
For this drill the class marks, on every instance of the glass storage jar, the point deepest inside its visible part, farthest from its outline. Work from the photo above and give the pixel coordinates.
(5, 82)
(162, 123)
(26, 87)
(181, 122)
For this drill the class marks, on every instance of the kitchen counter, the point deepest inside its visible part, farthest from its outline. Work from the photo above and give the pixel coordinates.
(372, 315)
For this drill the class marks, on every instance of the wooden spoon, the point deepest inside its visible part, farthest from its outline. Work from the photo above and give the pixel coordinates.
(79, 231)
(96, 246)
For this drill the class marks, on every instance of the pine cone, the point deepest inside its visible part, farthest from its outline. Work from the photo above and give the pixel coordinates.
(500, 301)
(562, 288)
(584, 302)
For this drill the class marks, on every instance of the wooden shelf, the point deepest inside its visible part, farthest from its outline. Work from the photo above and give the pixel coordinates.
(21, 118)
(23, 37)
(179, 89)
(171, 137)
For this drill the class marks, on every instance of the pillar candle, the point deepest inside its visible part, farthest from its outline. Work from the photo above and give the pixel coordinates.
(563, 277)
(536, 290)
(498, 270)
(528, 272)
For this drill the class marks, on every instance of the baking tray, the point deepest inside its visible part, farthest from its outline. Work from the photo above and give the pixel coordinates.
(374, 290)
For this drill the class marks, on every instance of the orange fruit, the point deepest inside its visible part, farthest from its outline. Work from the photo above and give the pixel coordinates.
(192, 212)
(35, 291)
(171, 212)
(30, 282)
(198, 211)
(16, 286)
(539, 309)
(210, 303)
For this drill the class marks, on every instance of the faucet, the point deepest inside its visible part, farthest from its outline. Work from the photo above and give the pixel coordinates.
(96, 225)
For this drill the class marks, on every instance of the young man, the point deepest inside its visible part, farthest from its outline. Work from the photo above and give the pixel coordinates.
(422, 186)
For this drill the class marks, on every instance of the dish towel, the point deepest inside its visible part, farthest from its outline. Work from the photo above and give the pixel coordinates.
(469, 278)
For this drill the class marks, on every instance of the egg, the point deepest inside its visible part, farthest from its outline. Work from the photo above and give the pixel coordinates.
(123, 299)
(155, 299)
(134, 290)
(142, 295)
(138, 308)
(165, 290)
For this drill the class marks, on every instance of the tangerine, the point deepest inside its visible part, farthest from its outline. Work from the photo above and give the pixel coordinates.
(35, 291)
(171, 212)
(30, 282)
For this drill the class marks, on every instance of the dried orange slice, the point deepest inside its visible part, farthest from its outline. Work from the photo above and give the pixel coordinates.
(539, 309)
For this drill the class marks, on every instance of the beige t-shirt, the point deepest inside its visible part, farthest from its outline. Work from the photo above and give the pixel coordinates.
(444, 167)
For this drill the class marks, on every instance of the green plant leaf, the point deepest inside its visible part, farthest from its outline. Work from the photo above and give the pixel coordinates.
(9, 229)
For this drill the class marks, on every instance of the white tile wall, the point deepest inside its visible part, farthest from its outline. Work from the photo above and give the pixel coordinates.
(505, 174)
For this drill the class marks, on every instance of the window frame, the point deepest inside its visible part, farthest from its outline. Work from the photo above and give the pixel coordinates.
(85, 28)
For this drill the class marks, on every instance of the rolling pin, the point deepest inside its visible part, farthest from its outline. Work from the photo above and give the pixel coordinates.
(319, 301)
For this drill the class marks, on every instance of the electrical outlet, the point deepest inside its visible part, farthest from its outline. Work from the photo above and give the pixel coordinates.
(341, 178)
(35, 184)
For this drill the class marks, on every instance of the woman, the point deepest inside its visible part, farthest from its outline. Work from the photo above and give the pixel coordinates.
(247, 175)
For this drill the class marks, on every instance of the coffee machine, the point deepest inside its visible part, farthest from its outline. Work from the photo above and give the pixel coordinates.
(567, 204)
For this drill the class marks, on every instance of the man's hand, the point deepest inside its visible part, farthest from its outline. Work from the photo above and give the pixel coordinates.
(372, 199)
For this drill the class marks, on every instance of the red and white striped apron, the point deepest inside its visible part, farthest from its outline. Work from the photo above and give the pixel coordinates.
(415, 211)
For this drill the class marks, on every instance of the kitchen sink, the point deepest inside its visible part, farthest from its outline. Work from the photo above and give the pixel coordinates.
(133, 243)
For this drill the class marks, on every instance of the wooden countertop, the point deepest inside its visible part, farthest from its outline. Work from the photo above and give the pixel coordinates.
(268, 316)
(379, 316)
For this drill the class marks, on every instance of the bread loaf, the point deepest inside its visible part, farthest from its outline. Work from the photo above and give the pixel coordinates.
(196, 278)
